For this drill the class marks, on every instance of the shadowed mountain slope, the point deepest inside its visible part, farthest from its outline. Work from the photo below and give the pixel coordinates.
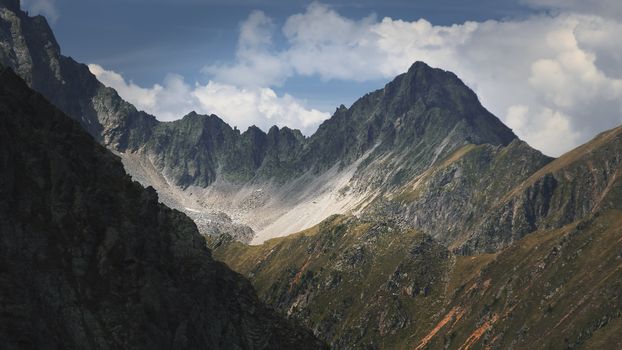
(90, 259)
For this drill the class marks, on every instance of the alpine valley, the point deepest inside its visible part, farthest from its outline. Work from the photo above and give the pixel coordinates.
(412, 219)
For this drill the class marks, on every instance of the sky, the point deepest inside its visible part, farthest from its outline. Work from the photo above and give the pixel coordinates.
(550, 69)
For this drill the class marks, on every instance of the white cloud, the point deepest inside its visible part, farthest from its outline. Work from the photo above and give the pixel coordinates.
(256, 65)
(239, 107)
(46, 8)
(544, 126)
(565, 67)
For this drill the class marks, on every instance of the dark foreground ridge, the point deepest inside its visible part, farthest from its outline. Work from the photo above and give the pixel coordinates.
(91, 260)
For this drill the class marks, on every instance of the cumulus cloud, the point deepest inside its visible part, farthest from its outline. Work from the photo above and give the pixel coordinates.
(256, 64)
(241, 107)
(46, 8)
(563, 69)
(544, 127)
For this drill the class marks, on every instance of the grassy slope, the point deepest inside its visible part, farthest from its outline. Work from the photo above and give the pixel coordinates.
(354, 282)
(372, 283)
(576, 155)
(551, 289)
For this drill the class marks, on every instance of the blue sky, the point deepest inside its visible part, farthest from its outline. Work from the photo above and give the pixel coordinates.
(550, 69)
(146, 39)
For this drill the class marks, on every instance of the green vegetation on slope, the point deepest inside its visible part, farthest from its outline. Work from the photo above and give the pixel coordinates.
(355, 283)
(553, 289)
(362, 284)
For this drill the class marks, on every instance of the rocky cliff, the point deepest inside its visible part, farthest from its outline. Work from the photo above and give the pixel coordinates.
(90, 259)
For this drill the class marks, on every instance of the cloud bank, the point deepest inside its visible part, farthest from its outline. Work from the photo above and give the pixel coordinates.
(555, 78)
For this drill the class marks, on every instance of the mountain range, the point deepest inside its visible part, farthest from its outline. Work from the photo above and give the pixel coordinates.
(272, 183)
(413, 218)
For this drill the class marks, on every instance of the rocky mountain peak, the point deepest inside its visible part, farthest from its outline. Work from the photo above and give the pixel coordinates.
(385, 139)
(424, 87)
(422, 115)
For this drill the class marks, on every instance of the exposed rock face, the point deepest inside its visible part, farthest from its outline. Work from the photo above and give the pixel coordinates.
(90, 259)
(383, 141)
(482, 198)
(198, 150)
(422, 115)
(448, 199)
(386, 139)
(419, 118)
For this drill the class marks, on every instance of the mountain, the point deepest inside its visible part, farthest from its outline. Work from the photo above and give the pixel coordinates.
(28, 46)
(448, 200)
(90, 259)
(261, 185)
(30, 49)
(370, 284)
(281, 182)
